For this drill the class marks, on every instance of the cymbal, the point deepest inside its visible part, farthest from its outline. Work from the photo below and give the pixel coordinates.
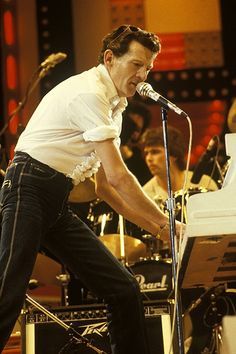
(83, 192)
(134, 248)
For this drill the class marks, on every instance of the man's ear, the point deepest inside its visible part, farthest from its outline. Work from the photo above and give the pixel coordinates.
(108, 58)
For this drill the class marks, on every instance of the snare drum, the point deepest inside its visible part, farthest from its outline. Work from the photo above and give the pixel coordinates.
(154, 278)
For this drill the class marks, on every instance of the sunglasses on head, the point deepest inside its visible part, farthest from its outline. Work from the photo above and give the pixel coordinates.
(123, 31)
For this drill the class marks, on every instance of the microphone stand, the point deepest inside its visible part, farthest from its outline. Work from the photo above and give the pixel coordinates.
(170, 207)
(40, 73)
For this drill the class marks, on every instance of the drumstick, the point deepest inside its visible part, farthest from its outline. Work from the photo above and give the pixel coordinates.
(122, 241)
(103, 224)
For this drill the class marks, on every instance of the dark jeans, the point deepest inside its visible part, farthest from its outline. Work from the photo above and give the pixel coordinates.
(35, 214)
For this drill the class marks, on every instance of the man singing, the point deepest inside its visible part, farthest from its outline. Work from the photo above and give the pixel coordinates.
(72, 135)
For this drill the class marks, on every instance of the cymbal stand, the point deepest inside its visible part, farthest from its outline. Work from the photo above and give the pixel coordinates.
(153, 246)
(64, 279)
(171, 211)
(76, 338)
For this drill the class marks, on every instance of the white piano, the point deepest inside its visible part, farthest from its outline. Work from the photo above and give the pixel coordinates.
(208, 249)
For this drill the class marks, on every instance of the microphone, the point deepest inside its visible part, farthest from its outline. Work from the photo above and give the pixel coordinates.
(204, 159)
(145, 89)
(53, 59)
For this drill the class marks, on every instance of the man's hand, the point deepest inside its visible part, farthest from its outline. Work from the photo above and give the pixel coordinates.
(164, 233)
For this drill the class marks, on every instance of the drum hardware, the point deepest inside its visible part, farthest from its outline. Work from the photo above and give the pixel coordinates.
(223, 170)
(207, 312)
(49, 273)
(64, 279)
(33, 284)
(186, 194)
(75, 337)
(220, 172)
(111, 229)
(121, 237)
(213, 317)
(153, 246)
(197, 302)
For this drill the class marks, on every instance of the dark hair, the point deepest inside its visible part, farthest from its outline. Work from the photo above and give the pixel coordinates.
(140, 108)
(177, 147)
(118, 41)
(128, 125)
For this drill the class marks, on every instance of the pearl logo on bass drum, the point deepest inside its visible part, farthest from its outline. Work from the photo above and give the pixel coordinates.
(154, 278)
(157, 286)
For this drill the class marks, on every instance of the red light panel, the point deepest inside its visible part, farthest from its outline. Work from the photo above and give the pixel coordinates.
(14, 122)
(11, 72)
(9, 33)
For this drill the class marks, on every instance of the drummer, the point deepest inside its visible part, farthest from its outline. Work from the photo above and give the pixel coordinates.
(154, 152)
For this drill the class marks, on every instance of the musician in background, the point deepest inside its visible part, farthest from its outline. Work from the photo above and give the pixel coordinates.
(154, 152)
(136, 120)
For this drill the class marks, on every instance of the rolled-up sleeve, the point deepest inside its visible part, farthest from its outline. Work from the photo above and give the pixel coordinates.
(90, 114)
(101, 133)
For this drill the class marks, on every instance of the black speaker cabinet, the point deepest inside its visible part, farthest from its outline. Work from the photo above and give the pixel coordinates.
(40, 335)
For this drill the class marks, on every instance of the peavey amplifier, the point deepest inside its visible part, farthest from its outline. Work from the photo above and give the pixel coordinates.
(40, 335)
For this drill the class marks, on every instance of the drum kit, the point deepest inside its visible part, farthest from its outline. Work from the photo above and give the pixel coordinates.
(144, 255)
(112, 231)
(137, 249)
(141, 253)
(125, 240)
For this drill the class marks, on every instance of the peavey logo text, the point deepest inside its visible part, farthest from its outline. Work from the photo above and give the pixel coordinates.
(97, 328)
(157, 286)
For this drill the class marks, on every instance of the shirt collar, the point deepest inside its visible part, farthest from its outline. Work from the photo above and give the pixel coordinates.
(116, 102)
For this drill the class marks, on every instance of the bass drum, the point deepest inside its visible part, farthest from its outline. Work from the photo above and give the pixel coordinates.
(154, 278)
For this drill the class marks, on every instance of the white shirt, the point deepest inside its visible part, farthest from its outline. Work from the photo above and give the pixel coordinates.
(79, 111)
